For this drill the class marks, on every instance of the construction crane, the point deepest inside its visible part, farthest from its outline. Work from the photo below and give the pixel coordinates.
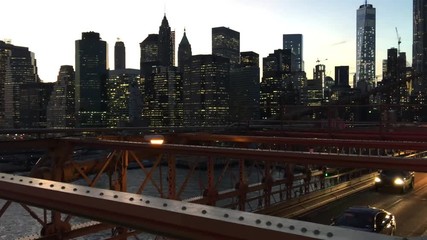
(398, 41)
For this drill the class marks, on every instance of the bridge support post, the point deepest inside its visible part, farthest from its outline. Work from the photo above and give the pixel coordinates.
(268, 184)
(289, 173)
(172, 176)
(60, 154)
(211, 192)
(307, 179)
(242, 186)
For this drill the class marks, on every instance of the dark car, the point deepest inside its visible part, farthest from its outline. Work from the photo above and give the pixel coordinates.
(369, 219)
(402, 180)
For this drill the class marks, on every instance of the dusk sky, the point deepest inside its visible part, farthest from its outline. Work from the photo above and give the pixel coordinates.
(49, 28)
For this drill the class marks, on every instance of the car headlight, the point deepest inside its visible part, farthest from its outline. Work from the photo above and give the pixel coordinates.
(377, 179)
(398, 181)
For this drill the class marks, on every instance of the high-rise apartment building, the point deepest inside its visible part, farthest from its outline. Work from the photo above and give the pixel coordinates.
(61, 106)
(294, 42)
(226, 43)
(365, 46)
(119, 55)
(91, 77)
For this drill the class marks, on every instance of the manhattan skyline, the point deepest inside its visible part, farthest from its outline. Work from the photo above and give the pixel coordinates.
(49, 30)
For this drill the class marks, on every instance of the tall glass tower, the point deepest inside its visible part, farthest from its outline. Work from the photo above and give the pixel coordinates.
(365, 46)
(91, 78)
(119, 55)
(294, 42)
(419, 47)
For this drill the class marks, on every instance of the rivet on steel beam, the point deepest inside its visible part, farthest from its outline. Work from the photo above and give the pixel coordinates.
(279, 225)
(241, 218)
(303, 229)
(131, 199)
(258, 221)
(147, 202)
(268, 223)
(329, 234)
(226, 215)
(51, 185)
(316, 232)
(292, 227)
(165, 204)
(204, 211)
(184, 208)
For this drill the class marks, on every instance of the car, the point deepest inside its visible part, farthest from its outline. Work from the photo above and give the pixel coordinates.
(402, 180)
(367, 218)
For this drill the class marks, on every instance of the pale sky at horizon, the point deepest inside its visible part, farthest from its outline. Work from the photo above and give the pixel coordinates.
(49, 28)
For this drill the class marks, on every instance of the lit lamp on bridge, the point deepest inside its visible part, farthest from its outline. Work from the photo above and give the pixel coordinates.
(154, 139)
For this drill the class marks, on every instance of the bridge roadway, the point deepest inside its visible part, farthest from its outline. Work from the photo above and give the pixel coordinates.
(408, 208)
(170, 217)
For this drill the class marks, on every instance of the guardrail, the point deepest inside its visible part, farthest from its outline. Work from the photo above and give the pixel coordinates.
(316, 199)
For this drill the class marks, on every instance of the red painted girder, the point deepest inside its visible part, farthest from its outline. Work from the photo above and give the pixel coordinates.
(172, 218)
(345, 160)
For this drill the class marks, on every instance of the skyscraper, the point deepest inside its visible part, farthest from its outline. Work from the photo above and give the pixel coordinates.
(276, 85)
(184, 51)
(123, 92)
(61, 106)
(33, 100)
(226, 43)
(149, 49)
(294, 42)
(166, 44)
(419, 47)
(365, 46)
(5, 80)
(245, 88)
(119, 55)
(206, 93)
(342, 76)
(91, 77)
(20, 68)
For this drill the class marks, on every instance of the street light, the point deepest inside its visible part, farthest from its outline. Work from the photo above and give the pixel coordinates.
(154, 139)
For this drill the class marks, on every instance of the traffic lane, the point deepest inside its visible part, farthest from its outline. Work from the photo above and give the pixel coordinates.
(410, 209)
